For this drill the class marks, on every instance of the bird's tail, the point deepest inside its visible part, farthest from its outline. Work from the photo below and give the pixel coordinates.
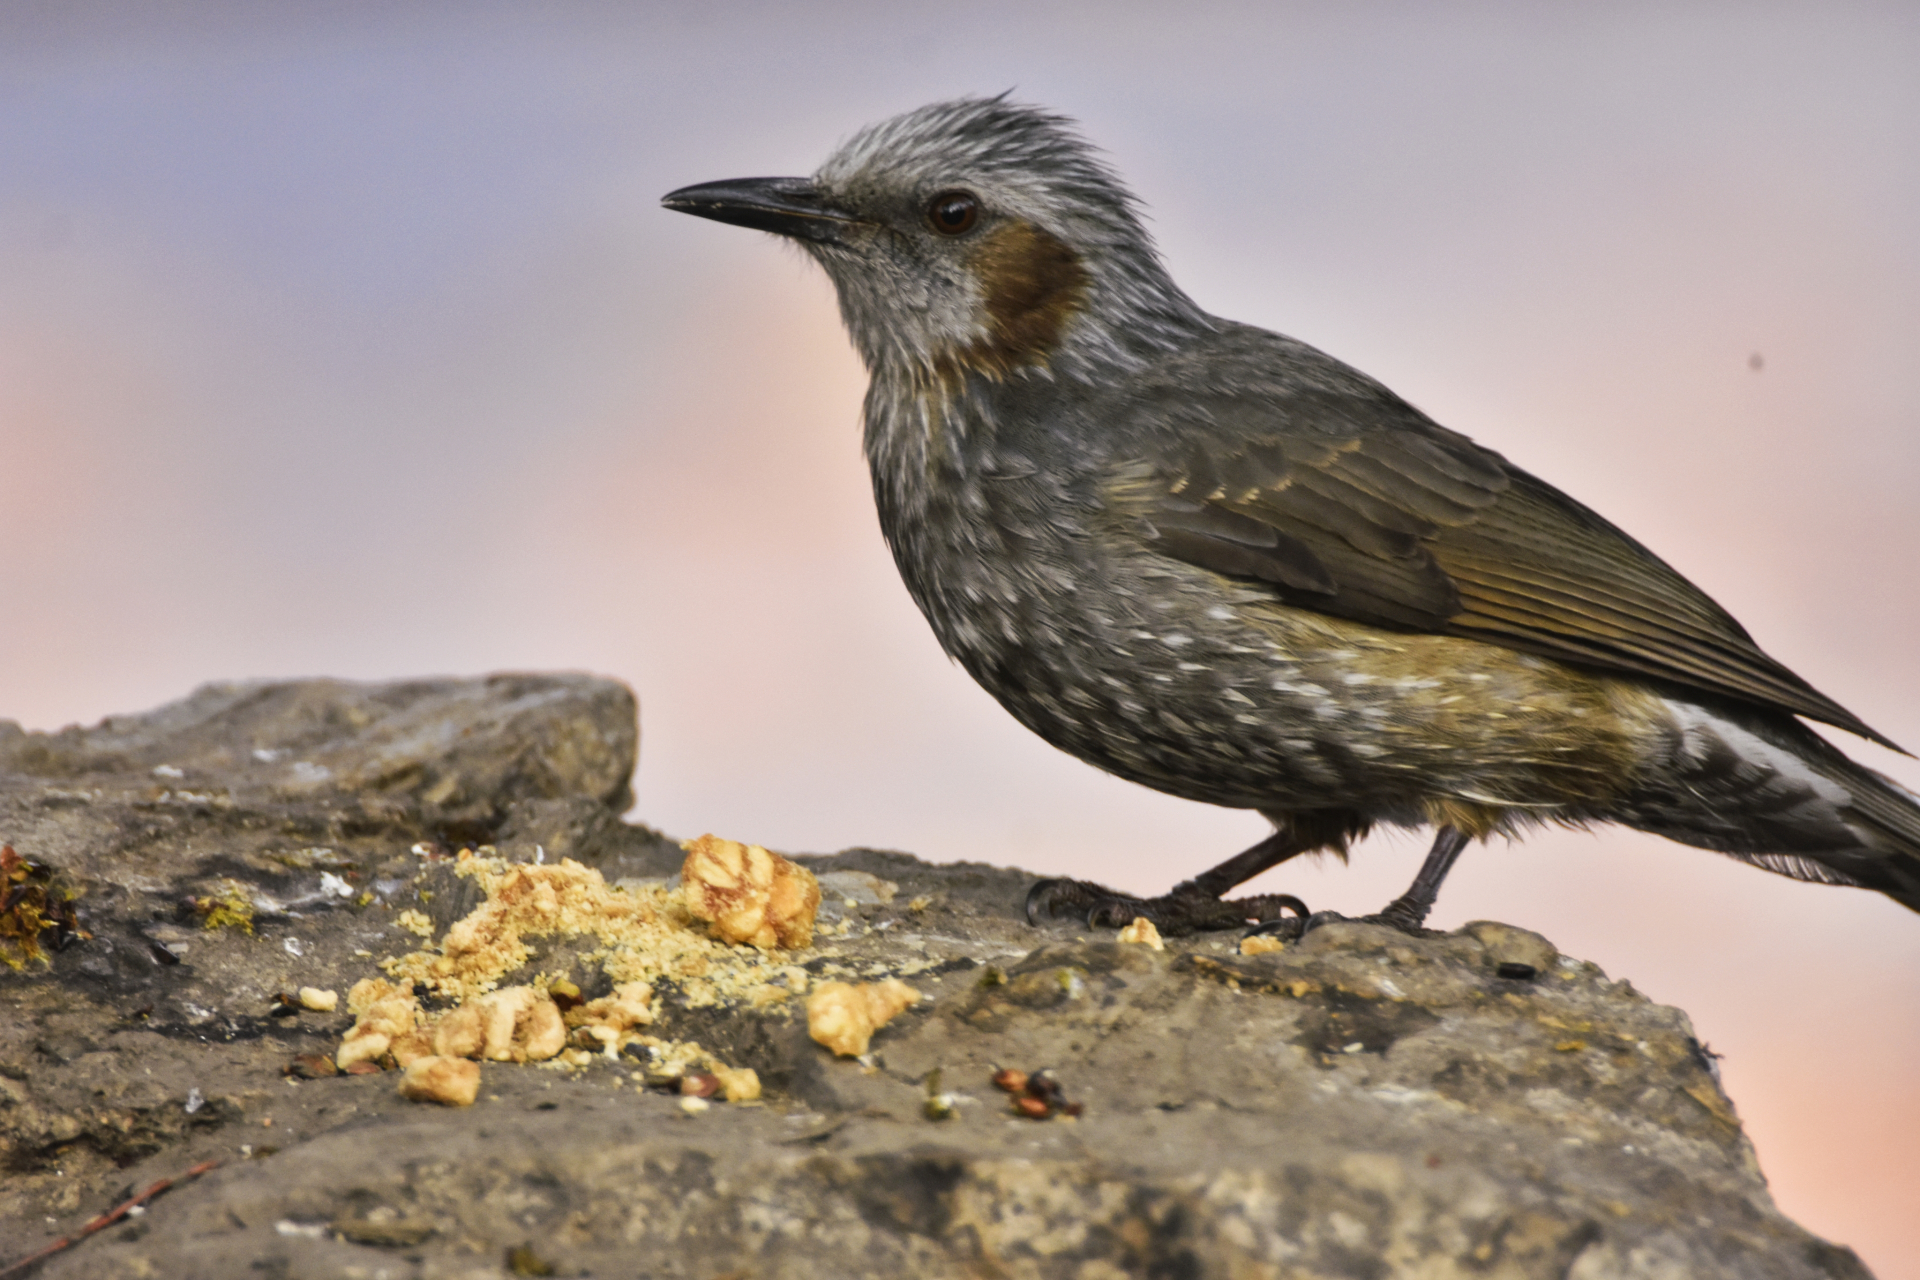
(1764, 788)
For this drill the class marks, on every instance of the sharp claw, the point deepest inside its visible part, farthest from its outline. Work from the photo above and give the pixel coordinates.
(1036, 900)
(1293, 927)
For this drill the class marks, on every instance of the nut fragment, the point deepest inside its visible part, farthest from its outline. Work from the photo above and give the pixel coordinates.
(1261, 944)
(319, 1001)
(1012, 1079)
(749, 894)
(411, 1047)
(1141, 932)
(452, 1081)
(519, 1024)
(385, 1013)
(738, 1084)
(460, 1033)
(1032, 1108)
(608, 1022)
(843, 1016)
(698, 1084)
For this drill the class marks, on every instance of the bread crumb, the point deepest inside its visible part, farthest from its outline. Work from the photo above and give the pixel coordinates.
(694, 1106)
(453, 1082)
(843, 1016)
(415, 922)
(318, 1000)
(1141, 932)
(1261, 944)
(646, 934)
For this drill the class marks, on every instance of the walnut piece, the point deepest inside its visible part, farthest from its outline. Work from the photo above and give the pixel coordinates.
(385, 1014)
(749, 894)
(843, 1016)
(517, 1024)
(454, 1082)
(608, 1022)
(738, 1084)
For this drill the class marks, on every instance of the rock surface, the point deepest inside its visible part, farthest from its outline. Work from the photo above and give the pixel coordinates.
(1363, 1104)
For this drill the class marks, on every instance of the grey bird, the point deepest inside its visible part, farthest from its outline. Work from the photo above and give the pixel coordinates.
(1218, 562)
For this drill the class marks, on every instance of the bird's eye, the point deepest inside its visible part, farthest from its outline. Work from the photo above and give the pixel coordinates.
(953, 213)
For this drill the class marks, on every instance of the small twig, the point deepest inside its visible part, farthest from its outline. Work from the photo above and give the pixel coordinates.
(106, 1219)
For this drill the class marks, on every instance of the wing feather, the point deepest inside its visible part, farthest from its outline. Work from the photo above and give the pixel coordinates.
(1350, 502)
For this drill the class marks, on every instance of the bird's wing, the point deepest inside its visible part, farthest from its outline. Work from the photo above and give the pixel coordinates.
(1350, 502)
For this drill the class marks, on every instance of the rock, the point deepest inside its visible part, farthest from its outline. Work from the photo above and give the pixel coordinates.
(1363, 1103)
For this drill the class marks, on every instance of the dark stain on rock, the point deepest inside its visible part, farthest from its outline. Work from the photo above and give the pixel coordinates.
(1331, 1025)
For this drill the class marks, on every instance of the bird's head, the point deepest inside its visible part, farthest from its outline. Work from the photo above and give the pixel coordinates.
(978, 236)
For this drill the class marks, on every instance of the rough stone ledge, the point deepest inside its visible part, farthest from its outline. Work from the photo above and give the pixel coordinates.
(1363, 1104)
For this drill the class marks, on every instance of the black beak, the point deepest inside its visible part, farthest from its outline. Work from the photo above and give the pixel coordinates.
(786, 206)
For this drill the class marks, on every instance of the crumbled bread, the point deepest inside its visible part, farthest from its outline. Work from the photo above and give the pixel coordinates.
(843, 1016)
(645, 932)
(415, 922)
(1261, 944)
(319, 1001)
(1140, 932)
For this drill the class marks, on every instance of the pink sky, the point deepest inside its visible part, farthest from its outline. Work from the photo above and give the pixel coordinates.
(334, 342)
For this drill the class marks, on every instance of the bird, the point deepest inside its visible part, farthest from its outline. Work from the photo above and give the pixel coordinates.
(1213, 560)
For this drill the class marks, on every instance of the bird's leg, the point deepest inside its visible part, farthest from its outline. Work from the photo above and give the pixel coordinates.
(1189, 906)
(1408, 912)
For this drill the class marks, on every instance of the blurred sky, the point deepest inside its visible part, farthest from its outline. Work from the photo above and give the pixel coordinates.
(350, 340)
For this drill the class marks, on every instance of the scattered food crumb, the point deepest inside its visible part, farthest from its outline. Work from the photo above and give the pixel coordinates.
(415, 922)
(843, 1016)
(694, 1106)
(318, 1000)
(1140, 932)
(1261, 944)
(453, 1082)
(749, 894)
(384, 1012)
(738, 1084)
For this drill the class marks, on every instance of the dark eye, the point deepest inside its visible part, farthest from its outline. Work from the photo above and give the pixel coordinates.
(953, 213)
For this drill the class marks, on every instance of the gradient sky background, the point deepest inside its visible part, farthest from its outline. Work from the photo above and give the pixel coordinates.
(350, 340)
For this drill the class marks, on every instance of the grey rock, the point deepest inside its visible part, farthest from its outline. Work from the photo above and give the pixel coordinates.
(1363, 1104)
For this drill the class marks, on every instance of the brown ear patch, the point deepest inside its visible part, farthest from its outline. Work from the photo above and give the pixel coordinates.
(1033, 284)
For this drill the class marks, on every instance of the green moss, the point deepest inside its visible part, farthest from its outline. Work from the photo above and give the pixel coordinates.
(228, 907)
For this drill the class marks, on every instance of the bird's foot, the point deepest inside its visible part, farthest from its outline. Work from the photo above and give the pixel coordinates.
(1401, 914)
(1186, 908)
